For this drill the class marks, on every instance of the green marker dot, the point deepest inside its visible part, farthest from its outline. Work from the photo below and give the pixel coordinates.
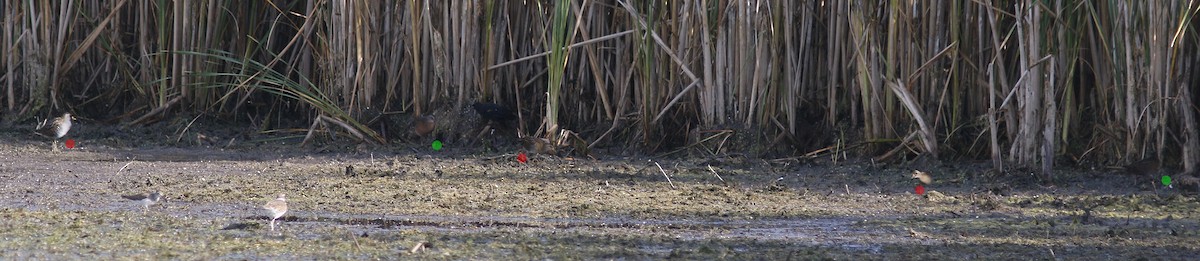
(437, 145)
(1166, 180)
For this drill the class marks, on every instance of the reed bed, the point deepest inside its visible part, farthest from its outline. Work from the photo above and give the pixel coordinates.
(1025, 84)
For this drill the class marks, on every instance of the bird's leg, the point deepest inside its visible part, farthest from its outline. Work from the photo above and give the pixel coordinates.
(479, 137)
(1155, 186)
(482, 131)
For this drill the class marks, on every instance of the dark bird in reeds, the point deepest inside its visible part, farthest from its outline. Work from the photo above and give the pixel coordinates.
(494, 112)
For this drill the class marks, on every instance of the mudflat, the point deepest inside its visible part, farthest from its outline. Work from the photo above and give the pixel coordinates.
(461, 203)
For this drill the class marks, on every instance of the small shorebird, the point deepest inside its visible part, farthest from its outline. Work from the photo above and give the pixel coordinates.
(922, 176)
(539, 145)
(145, 199)
(277, 208)
(1145, 167)
(423, 125)
(56, 129)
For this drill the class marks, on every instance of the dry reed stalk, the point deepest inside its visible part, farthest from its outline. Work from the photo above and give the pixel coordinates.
(1025, 150)
(8, 57)
(867, 76)
(664, 172)
(928, 139)
(418, 19)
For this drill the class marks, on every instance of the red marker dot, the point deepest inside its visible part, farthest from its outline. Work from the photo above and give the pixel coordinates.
(920, 189)
(70, 143)
(521, 157)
